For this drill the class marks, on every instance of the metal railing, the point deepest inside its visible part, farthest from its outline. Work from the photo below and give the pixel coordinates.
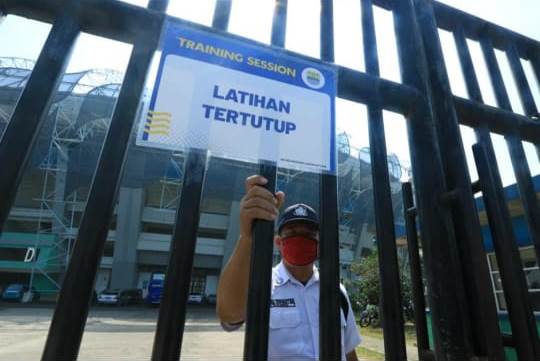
(449, 111)
(464, 319)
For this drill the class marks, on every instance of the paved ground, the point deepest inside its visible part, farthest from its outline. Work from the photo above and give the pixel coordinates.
(116, 334)
(125, 334)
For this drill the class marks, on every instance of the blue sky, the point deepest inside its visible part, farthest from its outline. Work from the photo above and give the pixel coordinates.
(302, 36)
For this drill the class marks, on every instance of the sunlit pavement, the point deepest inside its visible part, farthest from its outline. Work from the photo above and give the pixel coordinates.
(116, 333)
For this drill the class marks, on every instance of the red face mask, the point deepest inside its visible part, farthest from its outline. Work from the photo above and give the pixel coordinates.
(299, 250)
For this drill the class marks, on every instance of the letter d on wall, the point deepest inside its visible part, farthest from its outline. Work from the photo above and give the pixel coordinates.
(30, 254)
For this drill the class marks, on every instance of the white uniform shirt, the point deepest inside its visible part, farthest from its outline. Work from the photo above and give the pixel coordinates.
(294, 319)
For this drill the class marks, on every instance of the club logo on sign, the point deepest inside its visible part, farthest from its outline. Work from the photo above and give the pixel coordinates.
(313, 78)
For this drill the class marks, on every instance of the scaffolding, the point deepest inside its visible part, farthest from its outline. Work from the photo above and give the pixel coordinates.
(171, 182)
(69, 124)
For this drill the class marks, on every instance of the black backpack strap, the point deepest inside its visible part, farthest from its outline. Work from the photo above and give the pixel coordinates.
(343, 303)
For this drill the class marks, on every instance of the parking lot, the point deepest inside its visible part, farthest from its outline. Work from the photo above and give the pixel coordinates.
(114, 333)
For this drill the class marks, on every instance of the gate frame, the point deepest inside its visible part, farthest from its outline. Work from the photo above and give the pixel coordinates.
(443, 188)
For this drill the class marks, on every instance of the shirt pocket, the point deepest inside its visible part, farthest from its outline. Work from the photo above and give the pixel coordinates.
(285, 337)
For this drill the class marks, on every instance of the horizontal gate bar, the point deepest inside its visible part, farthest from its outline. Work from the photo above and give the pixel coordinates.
(116, 20)
(390, 300)
(67, 326)
(498, 120)
(30, 112)
(364, 88)
(512, 275)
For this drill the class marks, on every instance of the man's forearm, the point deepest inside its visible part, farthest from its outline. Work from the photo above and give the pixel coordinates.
(233, 284)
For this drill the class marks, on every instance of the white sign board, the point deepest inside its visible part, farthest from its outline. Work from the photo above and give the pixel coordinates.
(241, 101)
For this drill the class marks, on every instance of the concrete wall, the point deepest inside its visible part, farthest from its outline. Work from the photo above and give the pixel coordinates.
(124, 267)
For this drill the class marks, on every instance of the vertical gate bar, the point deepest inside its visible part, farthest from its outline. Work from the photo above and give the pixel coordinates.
(173, 306)
(260, 275)
(329, 319)
(30, 112)
(279, 23)
(422, 339)
(222, 14)
(513, 278)
(467, 66)
(525, 94)
(258, 307)
(473, 88)
(495, 73)
(517, 153)
(437, 233)
(172, 309)
(67, 326)
(524, 90)
(535, 63)
(480, 323)
(390, 301)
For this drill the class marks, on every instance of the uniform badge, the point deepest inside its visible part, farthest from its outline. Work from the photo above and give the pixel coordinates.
(300, 211)
(282, 302)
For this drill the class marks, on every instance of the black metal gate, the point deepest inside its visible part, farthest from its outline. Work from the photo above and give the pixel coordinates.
(464, 318)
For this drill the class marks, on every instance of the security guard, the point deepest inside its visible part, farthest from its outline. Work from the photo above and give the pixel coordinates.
(294, 304)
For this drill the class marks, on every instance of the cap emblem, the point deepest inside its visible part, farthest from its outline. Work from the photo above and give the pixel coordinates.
(301, 212)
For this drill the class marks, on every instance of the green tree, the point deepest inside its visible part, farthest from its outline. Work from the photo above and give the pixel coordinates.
(366, 288)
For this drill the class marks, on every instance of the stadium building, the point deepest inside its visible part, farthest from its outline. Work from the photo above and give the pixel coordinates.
(42, 227)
